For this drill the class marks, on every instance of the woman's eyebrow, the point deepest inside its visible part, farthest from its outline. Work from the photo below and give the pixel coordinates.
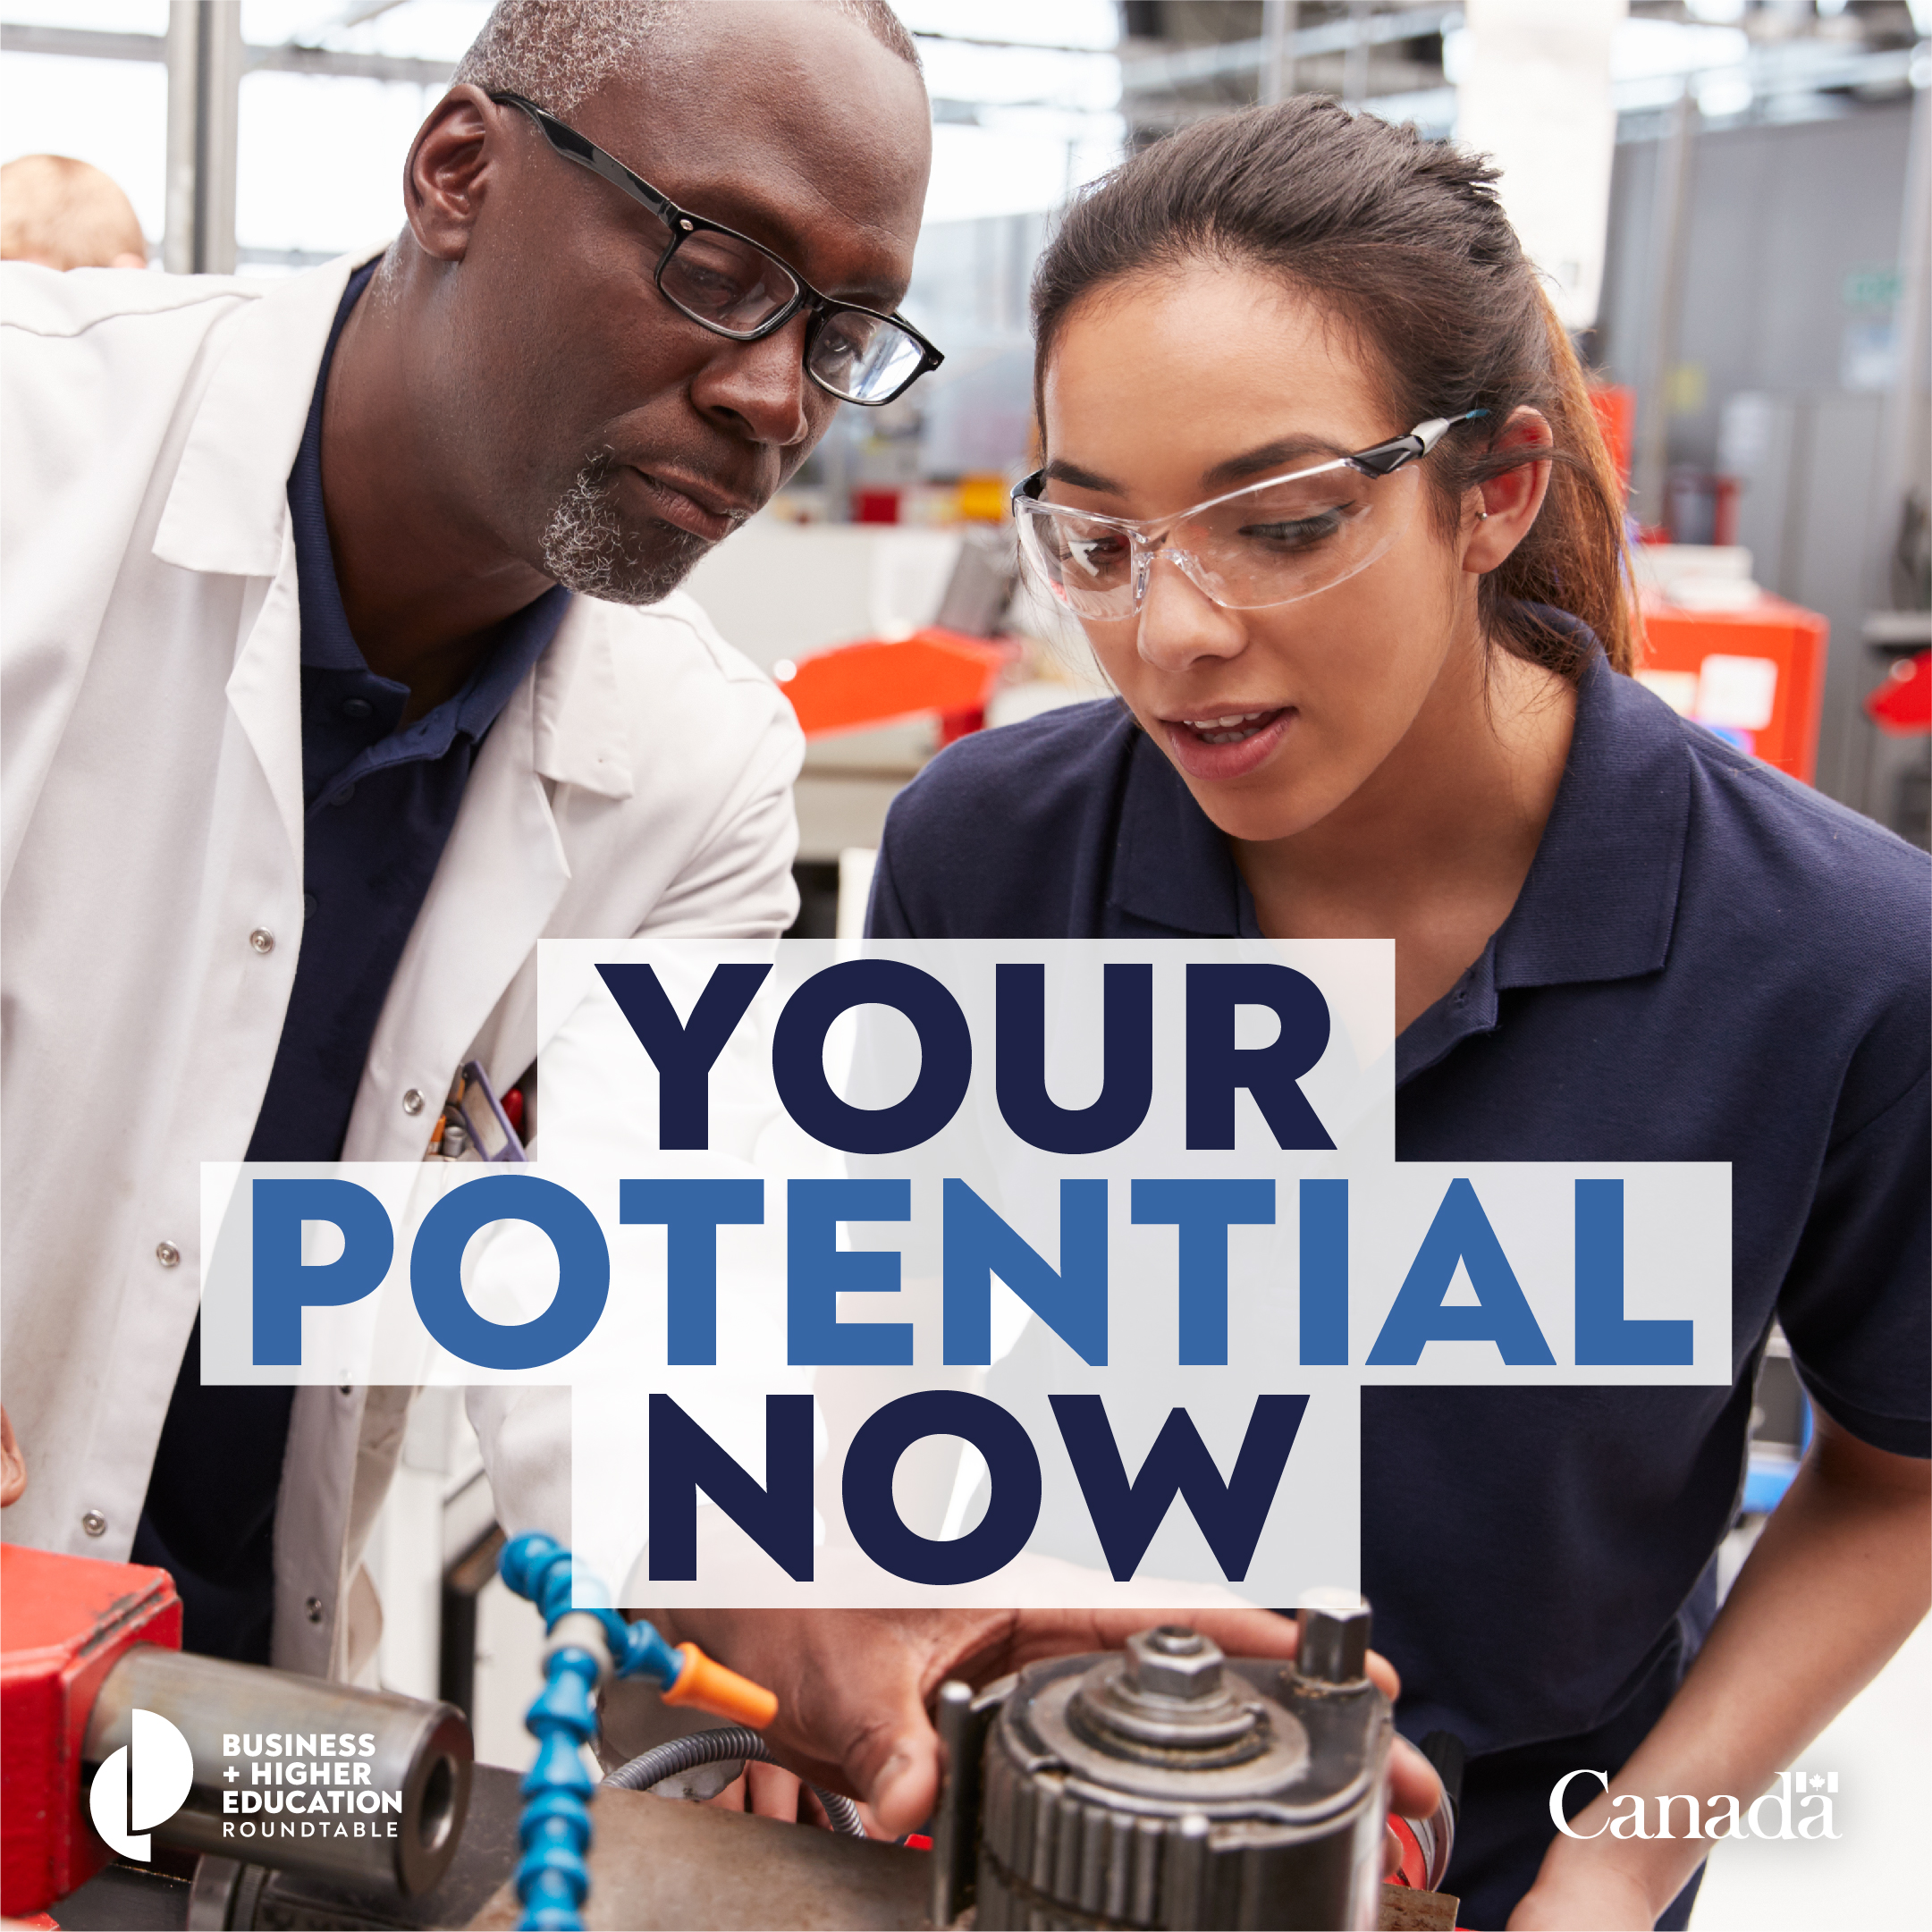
(1059, 471)
(1269, 456)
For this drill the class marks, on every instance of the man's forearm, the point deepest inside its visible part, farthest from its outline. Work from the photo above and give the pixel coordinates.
(1835, 1585)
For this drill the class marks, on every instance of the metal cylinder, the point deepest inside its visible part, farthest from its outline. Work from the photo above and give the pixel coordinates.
(361, 1786)
(1171, 1786)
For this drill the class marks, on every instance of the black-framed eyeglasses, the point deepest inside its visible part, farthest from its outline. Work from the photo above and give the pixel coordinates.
(726, 283)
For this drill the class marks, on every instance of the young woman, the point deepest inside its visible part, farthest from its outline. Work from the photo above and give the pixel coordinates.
(1324, 489)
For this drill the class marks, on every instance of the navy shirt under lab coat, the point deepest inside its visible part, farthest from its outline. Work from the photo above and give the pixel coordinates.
(1707, 961)
(381, 797)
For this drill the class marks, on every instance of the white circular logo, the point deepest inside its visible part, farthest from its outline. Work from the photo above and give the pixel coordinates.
(142, 1784)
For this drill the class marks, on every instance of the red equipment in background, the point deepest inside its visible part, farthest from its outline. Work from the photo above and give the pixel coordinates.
(65, 1622)
(1617, 417)
(1768, 647)
(881, 679)
(1902, 704)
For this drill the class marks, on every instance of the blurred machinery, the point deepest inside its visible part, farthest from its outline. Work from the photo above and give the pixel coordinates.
(1164, 1786)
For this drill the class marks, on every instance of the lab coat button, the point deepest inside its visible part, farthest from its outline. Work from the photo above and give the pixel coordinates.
(167, 1253)
(314, 1608)
(262, 939)
(94, 1522)
(412, 1101)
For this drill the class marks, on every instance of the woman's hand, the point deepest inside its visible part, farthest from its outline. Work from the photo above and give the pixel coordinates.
(1836, 1582)
(1572, 1895)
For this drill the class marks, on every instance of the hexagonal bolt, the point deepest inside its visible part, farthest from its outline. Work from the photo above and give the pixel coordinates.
(1334, 1645)
(1176, 1640)
(1174, 1661)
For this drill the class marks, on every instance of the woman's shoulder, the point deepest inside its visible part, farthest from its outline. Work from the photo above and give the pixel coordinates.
(1788, 902)
(999, 834)
(1787, 849)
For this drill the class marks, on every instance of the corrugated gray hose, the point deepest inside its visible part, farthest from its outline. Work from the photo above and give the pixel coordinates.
(683, 1754)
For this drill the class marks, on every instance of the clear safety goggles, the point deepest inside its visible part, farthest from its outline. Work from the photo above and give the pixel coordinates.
(1269, 543)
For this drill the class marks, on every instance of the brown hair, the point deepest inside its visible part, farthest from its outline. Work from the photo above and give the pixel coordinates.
(1404, 242)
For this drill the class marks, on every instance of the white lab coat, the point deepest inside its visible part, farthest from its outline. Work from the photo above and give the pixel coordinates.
(639, 779)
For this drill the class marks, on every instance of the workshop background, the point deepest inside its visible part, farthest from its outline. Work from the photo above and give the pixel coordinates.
(1730, 198)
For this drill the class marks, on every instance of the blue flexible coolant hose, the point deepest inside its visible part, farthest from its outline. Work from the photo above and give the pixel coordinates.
(552, 1877)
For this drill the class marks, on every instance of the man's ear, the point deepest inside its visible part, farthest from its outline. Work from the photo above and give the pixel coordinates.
(456, 152)
(1498, 515)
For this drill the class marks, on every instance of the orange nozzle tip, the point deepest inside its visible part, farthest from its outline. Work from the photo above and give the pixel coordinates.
(709, 1686)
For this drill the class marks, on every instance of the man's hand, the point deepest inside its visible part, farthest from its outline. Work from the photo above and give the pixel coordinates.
(853, 1686)
(12, 1464)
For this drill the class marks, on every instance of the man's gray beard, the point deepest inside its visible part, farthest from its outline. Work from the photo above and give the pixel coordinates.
(587, 547)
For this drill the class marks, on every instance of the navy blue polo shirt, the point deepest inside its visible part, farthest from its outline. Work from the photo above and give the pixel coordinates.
(381, 797)
(1707, 961)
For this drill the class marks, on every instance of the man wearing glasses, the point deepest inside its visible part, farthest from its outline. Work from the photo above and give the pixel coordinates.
(343, 660)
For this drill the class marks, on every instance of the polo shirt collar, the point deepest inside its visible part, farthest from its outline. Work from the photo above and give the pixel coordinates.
(1600, 898)
(1173, 865)
(1602, 894)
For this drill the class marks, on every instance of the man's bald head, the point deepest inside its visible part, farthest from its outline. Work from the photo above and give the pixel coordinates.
(561, 52)
(66, 214)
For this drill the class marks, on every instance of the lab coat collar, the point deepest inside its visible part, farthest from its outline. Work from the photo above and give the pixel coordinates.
(227, 510)
(579, 729)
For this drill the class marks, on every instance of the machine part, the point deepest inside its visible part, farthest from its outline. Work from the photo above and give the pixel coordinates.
(701, 1783)
(64, 1622)
(654, 1867)
(730, 1745)
(1332, 1643)
(421, 1750)
(658, 1866)
(1172, 1787)
(230, 1897)
(1434, 1836)
(961, 1720)
(1406, 1911)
